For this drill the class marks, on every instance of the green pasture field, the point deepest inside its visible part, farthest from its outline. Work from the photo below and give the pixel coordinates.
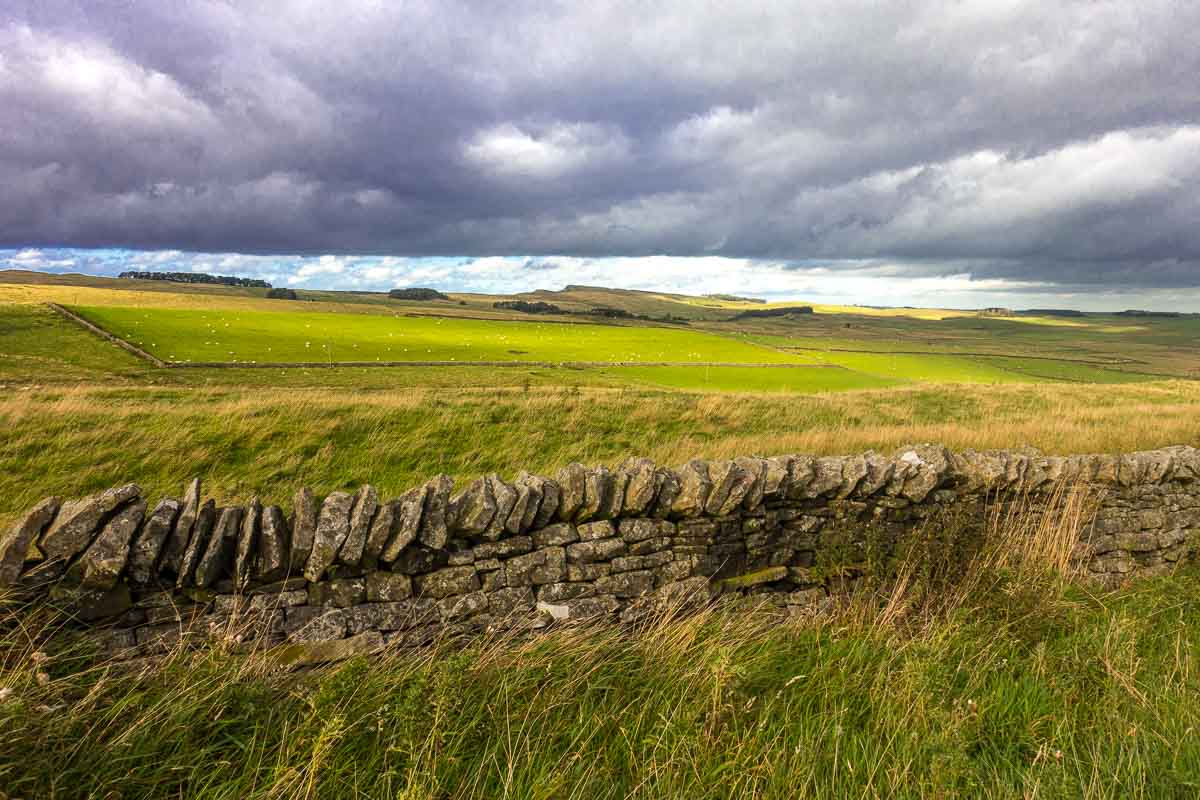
(263, 336)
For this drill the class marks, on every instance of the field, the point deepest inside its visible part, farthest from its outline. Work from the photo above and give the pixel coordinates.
(249, 336)
(1031, 684)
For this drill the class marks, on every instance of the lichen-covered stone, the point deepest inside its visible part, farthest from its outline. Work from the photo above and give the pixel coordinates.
(614, 500)
(366, 503)
(201, 531)
(150, 541)
(218, 556)
(338, 593)
(101, 564)
(474, 509)
(388, 587)
(447, 581)
(571, 481)
(434, 526)
(417, 558)
(596, 550)
(78, 521)
(409, 510)
(512, 546)
(522, 514)
(16, 542)
(272, 545)
(756, 471)
(382, 528)
(547, 565)
(333, 526)
(639, 485)
(694, 488)
(304, 529)
(505, 497)
(247, 544)
(666, 489)
(597, 491)
(590, 531)
(548, 509)
(171, 561)
(558, 534)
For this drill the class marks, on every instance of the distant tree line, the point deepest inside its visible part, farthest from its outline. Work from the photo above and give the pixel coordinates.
(196, 277)
(782, 311)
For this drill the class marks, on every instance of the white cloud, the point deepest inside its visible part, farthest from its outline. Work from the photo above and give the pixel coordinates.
(545, 152)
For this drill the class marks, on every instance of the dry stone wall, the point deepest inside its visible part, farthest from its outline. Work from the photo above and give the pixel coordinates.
(356, 570)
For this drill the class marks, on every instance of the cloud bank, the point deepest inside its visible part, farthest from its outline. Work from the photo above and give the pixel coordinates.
(1018, 143)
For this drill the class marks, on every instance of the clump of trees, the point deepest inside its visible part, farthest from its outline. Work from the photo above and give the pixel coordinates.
(281, 294)
(524, 306)
(196, 277)
(782, 311)
(416, 293)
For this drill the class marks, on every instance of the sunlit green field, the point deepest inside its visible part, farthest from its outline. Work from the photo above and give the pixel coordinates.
(249, 336)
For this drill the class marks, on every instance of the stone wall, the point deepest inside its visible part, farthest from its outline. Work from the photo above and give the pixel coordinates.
(355, 568)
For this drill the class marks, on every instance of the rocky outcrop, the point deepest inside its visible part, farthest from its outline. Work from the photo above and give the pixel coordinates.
(592, 542)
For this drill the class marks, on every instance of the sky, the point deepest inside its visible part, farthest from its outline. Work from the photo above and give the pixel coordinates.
(960, 154)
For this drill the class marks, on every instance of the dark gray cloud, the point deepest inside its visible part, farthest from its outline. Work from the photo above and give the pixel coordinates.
(1019, 141)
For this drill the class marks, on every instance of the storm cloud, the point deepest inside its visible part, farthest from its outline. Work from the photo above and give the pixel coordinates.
(1015, 143)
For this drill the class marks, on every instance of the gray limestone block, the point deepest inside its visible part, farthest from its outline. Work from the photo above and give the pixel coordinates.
(219, 555)
(694, 488)
(304, 529)
(590, 531)
(407, 524)
(474, 508)
(505, 497)
(593, 551)
(366, 503)
(447, 581)
(15, 544)
(78, 522)
(548, 510)
(273, 559)
(571, 481)
(170, 563)
(639, 486)
(433, 530)
(382, 528)
(547, 565)
(333, 526)
(201, 531)
(102, 563)
(247, 543)
(388, 587)
(150, 541)
(666, 489)
(560, 533)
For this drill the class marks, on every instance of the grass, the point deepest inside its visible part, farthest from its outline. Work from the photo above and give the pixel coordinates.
(1012, 680)
(751, 379)
(243, 336)
(244, 441)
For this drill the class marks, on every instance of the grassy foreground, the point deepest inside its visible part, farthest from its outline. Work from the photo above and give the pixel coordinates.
(1025, 685)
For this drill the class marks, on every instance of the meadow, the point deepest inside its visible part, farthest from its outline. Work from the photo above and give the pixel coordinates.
(291, 336)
